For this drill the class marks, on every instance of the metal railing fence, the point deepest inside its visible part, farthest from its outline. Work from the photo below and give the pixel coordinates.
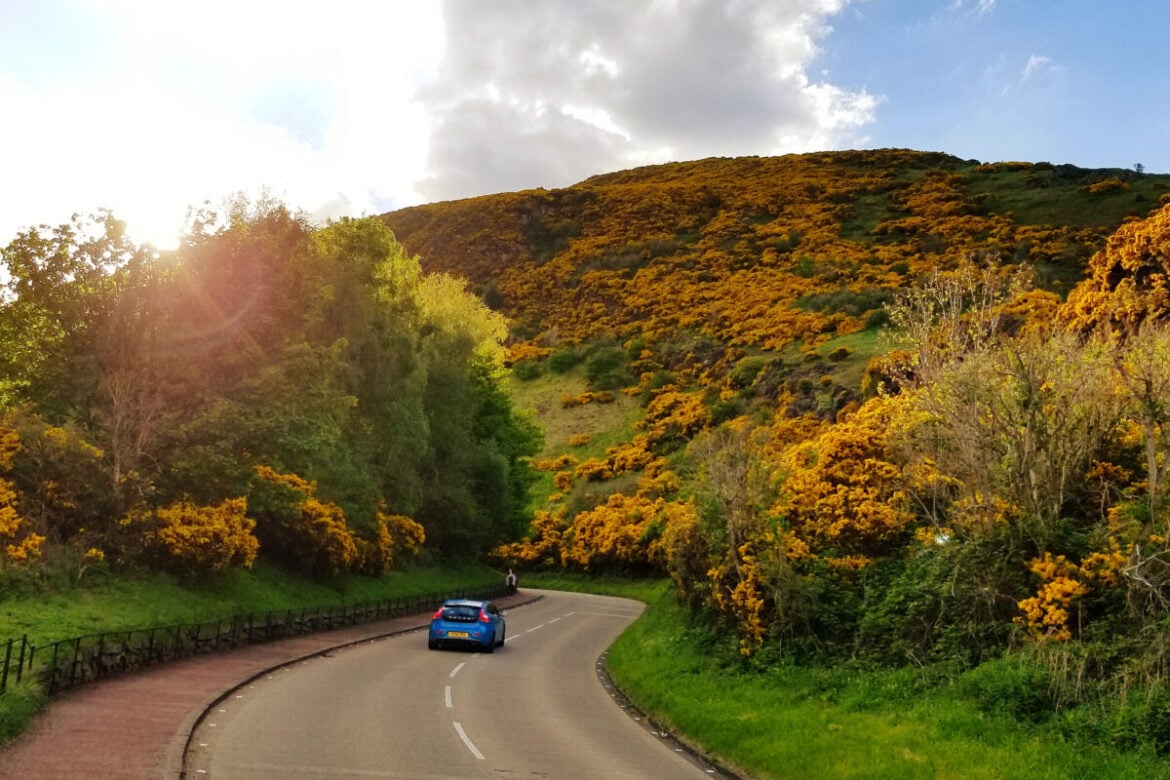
(70, 662)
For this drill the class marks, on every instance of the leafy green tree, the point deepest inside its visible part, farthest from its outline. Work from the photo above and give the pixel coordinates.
(61, 288)
(477, 477)
(322, 354)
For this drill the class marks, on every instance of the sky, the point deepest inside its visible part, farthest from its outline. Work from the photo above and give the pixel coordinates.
(353, 108)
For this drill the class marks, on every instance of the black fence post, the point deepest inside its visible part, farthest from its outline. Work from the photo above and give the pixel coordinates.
(76, 661)
(99, 666)
(7, 660)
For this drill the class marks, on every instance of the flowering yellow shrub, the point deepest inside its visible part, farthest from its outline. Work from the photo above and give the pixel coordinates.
(407, 533)
(310, 532)
(195, 539)
(29, 547)
(21, 545)
(542, 548)
(525, 350)
(658, 481)
(625, 531)
(329, 544)
(1046, 615)
(842, 492)
(633, 456)
(555, 464)
(1106, 567)
(579, 439)
(687, 550)
(739, 592)
(1129, 280)
(672, 414)
(594, 469)
(1107, 186)
(587, 397)
(392, 534)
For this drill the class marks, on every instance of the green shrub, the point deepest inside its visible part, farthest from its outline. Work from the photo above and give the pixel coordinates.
(608, 368)
(839, 354)
(564, 359)
(722, 411)
(746, 371)
(527, 370)
(1013, 686)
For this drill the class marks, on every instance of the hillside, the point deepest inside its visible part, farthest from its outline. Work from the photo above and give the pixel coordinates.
(758, 253)
(760, 283)
(890, 407)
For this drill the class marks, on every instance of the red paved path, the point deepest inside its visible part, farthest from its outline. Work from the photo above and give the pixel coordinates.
(136, 726)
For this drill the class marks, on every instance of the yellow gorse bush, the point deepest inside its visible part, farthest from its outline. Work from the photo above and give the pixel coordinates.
(842, 491)
(312, 531)
(392, 535)
(20, 544)
(198, 539)
(1046, 615)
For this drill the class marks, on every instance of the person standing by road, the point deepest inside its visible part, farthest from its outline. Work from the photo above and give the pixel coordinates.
(510, 583)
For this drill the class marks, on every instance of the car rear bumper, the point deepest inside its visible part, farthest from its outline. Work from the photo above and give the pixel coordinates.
(457, 637)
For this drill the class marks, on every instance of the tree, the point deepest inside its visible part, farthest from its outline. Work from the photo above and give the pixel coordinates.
(740, 484)
(322, 354)
(955, 313)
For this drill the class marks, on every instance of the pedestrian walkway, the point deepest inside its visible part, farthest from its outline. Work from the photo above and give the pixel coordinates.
(136, 727)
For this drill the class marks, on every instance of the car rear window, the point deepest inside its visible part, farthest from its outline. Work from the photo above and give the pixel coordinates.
(461, 614)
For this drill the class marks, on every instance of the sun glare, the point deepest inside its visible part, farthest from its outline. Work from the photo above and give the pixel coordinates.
(161, 230)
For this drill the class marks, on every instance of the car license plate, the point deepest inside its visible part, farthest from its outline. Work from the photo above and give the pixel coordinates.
(457, 634)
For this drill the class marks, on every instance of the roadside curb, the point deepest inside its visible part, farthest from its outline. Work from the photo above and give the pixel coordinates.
(652, 723)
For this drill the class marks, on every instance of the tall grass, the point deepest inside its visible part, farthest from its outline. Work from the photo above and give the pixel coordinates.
(789, 721)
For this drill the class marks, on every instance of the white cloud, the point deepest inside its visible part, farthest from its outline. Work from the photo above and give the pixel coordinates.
(980, 7)
(311, 104)
(358, 107)
(1037, 71)
(1036, 66)
(624, 84)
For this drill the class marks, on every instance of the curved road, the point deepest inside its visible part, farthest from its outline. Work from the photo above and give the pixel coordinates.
(535, 708)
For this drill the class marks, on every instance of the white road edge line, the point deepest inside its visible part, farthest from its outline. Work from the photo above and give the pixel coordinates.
(455, 671)
(447, 697)
(467, 741)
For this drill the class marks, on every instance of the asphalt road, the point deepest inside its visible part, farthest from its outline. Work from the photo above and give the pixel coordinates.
(536, 708)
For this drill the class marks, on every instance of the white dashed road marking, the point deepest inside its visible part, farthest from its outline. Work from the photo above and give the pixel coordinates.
(467, 741)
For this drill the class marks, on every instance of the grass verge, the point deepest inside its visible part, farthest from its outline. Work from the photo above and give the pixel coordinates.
(791, 721)
(113, 604)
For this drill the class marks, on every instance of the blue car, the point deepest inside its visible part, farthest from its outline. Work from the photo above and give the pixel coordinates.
(467, 623)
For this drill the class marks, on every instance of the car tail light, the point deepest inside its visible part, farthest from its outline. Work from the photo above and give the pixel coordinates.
(484, 617)
(438, 614)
